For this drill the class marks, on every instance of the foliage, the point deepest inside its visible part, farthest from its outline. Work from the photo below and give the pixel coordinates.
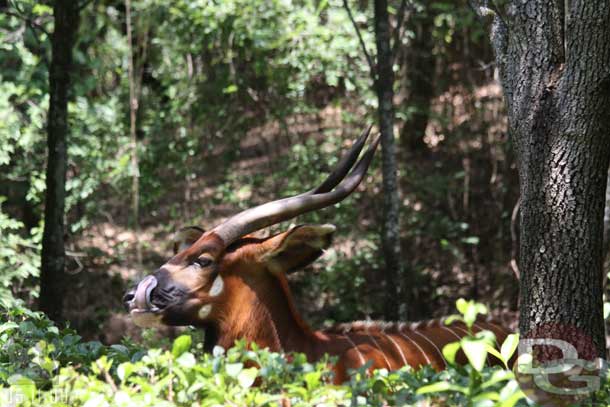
(475, 385)
(43, 365)
(19, 257)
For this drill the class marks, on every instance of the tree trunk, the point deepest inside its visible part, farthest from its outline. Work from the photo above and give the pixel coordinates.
(419, 62)
(53, 286)
(391, 228)
(555, 70)
(133, 112)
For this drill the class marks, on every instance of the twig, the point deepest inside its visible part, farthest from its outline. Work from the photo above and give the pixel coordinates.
(486, 9)
(107, 377)
(369, 59)
(70, 253)
(494, 7)
(514, 239)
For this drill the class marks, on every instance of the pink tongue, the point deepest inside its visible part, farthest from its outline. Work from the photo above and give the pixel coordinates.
(143, 292)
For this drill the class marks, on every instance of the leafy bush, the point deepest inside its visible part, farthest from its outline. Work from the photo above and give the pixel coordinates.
(19, 256)
(41, 365)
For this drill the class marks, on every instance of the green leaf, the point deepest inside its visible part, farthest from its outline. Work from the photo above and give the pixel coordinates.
(181, 345)
(233, 369)
(230, 89)
(24, 385)
(497, 377)
(470, 316)
(453, 318)
(495, 352)
(512, 400)
(441, 386)
(472, 240)
(450, 350)
(247, 376)
(312, 379)
(186, 360)
(510, 394)
(509, 346)
(488, 396)
(125, 370)
(461, 305)
(487, 335)
(476, 352)
(8, 326)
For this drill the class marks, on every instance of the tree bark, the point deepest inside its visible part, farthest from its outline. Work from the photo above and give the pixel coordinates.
(53, 287)
(555, 71)
(391, 227)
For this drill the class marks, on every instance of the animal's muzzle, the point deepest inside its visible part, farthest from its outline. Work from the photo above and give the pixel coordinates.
(140, 297)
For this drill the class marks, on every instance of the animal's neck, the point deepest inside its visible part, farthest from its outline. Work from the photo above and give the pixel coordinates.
(266, 314)
(294, 333)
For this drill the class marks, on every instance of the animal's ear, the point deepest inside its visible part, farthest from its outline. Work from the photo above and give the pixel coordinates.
(185, 237)
(296, 248)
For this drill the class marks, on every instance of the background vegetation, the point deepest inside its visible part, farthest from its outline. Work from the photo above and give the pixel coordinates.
(242, 102)
(184, 112)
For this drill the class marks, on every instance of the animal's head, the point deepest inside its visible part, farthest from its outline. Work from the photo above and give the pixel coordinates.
(212, 270)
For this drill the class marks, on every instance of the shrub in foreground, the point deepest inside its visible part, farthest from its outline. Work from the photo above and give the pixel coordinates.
(41, 365)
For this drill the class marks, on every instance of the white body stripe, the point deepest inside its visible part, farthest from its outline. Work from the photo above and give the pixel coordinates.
(362, 360)
(458, 337)
(379, 348)
(402, 355)
(433, 344)
(404, 335)
(465, 332)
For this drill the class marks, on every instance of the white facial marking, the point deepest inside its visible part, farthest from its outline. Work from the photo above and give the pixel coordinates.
(205, 311)
(217, 287)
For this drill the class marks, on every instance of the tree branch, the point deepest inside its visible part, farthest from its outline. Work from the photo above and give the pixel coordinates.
(369, 59)
(488, 10)
(33, 26)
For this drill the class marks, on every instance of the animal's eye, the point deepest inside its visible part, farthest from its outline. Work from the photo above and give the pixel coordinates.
(203, 262)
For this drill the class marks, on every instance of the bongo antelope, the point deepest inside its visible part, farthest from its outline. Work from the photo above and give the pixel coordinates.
(234, 286)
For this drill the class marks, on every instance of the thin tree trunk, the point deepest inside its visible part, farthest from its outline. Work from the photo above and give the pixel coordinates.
(419, 62)
(391, 227)
(53, 284)
(556, 77)
(133, 111)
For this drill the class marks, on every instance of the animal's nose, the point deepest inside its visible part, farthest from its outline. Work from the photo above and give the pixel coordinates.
(128, 299)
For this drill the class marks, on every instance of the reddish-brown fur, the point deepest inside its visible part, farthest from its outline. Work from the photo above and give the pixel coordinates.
(257, 306)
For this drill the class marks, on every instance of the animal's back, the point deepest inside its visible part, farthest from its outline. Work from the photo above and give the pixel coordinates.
(393, 345)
